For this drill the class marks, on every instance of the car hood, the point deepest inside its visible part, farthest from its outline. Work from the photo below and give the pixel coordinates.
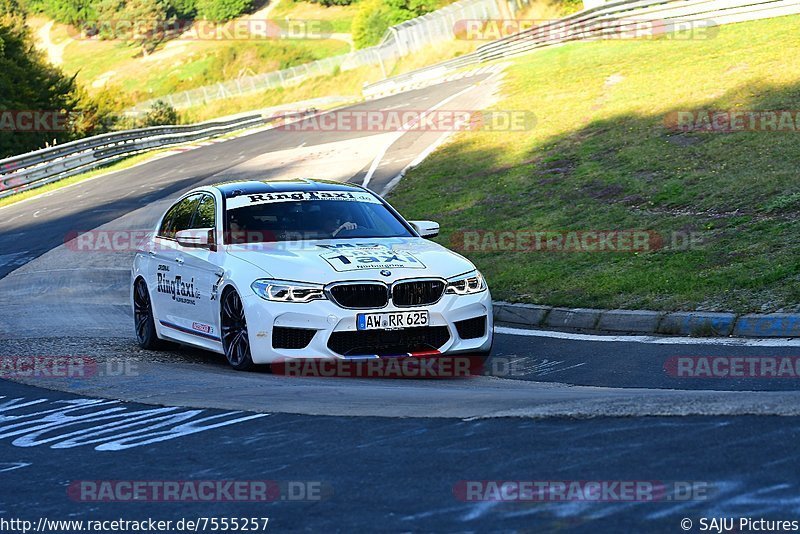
(325, 261)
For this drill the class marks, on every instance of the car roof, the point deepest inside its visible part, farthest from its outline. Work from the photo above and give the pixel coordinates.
(251, 187)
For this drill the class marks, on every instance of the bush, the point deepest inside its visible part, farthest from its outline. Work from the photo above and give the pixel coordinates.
(161, 114)
(30, 6)
(370, 23)
(73, 12)
(222, 10)
(182, 9)
(12, 13)
(99, 113)
(328, 3)
(374, 17)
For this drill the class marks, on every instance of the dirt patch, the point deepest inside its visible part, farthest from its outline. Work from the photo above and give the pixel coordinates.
(601, 191)
(683, 140)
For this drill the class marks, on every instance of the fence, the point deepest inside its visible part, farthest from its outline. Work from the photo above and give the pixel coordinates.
(611, 19)
(400, 40)
(34, 169)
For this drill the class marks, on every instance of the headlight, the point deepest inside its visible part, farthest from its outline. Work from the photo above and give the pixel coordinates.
(285, 291)
(466, 284)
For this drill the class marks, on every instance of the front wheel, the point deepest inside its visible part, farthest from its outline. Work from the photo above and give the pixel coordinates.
(235, 340)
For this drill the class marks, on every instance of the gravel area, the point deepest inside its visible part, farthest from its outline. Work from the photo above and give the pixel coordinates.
(105, 349)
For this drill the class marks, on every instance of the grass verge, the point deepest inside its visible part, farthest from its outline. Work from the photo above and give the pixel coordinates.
(600, 157)
(338, 19)
(345, 83)
(180, 64)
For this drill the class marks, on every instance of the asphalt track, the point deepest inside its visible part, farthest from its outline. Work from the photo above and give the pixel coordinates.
(399, 474)
(551, 408)
(33, 227)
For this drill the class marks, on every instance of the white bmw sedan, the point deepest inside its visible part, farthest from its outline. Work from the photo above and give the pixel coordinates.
(272, 271)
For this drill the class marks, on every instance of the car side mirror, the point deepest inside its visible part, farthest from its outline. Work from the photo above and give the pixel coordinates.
(426, 229)
(196, 238)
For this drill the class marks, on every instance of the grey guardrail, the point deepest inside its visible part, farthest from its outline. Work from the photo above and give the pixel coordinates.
(684, 323)
(663, 16)
(427, 73)
(34, 169)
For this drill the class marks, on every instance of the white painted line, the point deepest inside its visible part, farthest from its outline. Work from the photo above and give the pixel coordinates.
(11, 466)
(122, 427)
(653, 340)
(82, 182)
(15, 217)
(404, 130)
(419, 159)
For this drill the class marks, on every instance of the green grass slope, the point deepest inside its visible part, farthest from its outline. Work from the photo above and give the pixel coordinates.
(601, 158)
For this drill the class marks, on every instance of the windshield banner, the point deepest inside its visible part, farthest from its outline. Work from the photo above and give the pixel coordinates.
(289, 196)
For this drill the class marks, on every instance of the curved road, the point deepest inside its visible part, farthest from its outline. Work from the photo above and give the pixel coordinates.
(391, 451)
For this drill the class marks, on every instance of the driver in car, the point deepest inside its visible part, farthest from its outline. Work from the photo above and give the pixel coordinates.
(336, 221)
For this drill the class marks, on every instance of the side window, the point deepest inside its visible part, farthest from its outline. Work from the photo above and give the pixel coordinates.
(168, 224)
(179, 217)
(205, 217)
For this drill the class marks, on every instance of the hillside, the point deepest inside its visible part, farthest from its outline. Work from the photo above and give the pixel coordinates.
(603, 156)
(187, 62)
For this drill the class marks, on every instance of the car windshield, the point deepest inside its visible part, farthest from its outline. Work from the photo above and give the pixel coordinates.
(281, 217)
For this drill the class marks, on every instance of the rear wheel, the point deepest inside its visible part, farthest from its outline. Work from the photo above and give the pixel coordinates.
(235, 340)
(144, 320)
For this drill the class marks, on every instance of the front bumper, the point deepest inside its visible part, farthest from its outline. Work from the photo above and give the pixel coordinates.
(326, 318)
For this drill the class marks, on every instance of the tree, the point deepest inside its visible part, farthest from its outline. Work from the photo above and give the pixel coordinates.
(374, 17)
(160, 114)
(370, 23)
(73, 12)
(11, 10)
(182, 9)
(222, 10)
(149, 22)
(30, 84)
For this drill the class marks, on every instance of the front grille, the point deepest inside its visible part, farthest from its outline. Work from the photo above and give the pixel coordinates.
(291, 338)
(471, 328)
(360, 295)
(388, 342)
(417, 293)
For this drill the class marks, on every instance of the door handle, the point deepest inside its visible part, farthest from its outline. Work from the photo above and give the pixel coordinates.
(179, 261)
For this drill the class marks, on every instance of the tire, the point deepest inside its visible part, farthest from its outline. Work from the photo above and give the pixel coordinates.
(143, 319)
(235, 340)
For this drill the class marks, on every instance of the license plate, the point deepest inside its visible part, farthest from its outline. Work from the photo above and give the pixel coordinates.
(392, 320)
